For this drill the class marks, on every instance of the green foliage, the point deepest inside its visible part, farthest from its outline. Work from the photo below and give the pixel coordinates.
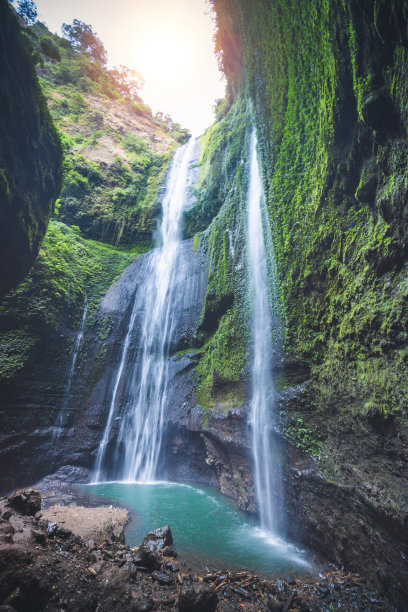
(15, 348)
(68, 267)
(82, 37)
(221, 151)
(221, 196)
(327, 113)
(302, 436)
(114, 200)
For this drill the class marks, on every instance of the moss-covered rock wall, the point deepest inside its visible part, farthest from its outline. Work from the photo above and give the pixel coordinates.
(327, 81)
(30, 154)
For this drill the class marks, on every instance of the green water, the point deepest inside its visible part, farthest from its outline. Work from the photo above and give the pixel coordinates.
(208, 528)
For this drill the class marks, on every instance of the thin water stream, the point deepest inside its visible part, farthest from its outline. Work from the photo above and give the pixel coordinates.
(67, 392)
(267, 476)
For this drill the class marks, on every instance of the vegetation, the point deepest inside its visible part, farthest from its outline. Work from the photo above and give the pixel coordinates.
(68, 267)
(221, 209)
(331, 117)
(30, 155)
(112, 171)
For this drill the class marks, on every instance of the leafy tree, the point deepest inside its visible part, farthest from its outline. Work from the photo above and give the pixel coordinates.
(28, 10)
(83, 38)
(129, 82)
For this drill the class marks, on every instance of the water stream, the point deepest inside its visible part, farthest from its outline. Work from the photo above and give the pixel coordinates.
(267, 477)
(139, 401)
(67, 392)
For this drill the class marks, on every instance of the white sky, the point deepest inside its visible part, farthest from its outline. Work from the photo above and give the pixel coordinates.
(168, 41)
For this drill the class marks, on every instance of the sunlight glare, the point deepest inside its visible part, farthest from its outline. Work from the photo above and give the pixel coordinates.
(163, 58)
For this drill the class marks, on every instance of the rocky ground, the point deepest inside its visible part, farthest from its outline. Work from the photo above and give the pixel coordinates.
(46, 566)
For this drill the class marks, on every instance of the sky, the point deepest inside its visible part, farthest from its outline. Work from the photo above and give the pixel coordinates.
(168, 41)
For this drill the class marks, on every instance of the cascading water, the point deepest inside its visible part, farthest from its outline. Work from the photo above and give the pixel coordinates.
(155, 315)
(67, 392)
(262, 276)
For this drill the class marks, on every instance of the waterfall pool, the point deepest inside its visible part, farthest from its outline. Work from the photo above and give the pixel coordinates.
(209, 530)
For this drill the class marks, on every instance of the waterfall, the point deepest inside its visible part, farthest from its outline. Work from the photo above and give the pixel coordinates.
(264, 302)
(140, 383)
(67, 392)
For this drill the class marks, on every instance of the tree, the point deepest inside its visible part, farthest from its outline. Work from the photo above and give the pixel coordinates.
(82, 37)
(127, 81)
(28, 10)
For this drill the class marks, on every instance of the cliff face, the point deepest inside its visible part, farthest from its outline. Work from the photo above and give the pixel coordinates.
(115, 158)
(327, 85)
(30, 155)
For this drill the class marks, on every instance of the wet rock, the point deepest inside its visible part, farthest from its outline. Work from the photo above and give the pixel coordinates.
(169, 551)
(51, 528)
(16, 600)
(39, 536)
(159, 538)
(145, 557)
(38, 515)
(6, 515)
(27, 502)
(143, 605)
(91, 545)
(162, 578)
(118, 535)
(198, 598)
(170, 566)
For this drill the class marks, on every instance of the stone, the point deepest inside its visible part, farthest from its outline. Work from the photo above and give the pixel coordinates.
(51, 528)
(145, 557)
(198, 598)
(159, 538)
(39, 536)
(162, 578)
(118, 535)
(26, 501)
(169, 551)
(143, 605)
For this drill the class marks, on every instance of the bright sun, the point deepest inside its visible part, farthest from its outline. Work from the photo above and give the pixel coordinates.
(163, 58)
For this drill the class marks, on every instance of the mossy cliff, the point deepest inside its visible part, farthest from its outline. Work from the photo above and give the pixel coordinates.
(324, 84)
(116, 155)
(327, 81)
(30, 155)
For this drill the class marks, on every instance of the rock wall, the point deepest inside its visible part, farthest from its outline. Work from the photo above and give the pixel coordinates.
(30, 155)
(326, 81)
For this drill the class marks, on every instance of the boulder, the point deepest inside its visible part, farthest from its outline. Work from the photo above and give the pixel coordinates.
(198, 598)
(26, 501)
(148, 558)
(159, 538)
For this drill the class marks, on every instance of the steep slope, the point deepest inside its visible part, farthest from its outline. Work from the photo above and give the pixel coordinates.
(30, 155)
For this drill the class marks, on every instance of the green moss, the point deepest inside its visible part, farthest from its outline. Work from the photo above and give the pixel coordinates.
(30, 155)
(331, 115)
(68, 267)
(15, 348)
(223, 330)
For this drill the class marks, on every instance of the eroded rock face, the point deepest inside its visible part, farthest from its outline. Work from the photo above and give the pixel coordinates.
(30, 156)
